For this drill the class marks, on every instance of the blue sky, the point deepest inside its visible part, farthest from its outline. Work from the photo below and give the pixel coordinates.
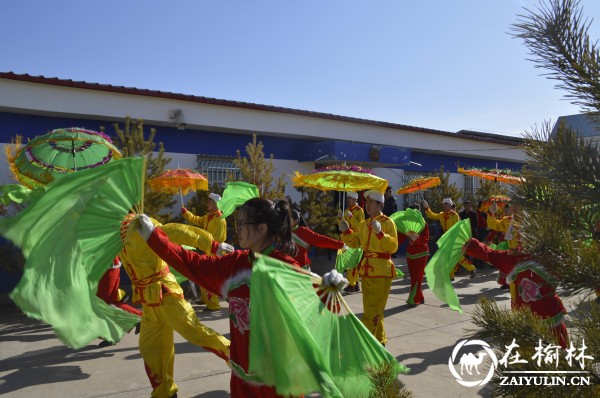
(446, 65)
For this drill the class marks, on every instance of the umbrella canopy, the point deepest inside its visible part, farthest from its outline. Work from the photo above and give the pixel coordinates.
(500, 200)
(178, 180)
(507, 176)
(341, 178)
(419, 184)
(60, 152)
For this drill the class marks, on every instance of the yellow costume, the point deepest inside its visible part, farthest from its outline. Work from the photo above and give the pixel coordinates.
(507, 226)
(447, 220)
(163, 306)
(376, 268)
(217, 227)
(358, 216)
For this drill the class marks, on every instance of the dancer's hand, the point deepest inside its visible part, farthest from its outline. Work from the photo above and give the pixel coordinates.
(425, 204)
(344, 226)
(376, 227)
(144, 226)
(413, 236)
(335, 279)
(184, 210)
(224, 248)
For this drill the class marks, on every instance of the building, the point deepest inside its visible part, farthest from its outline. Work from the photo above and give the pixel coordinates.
(205, 133)
(583, 124)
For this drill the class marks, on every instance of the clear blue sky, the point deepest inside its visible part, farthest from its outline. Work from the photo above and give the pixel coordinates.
(439, 64)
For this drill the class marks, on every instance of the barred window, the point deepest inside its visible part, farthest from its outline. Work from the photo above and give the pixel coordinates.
(470, 187)
(217, 169)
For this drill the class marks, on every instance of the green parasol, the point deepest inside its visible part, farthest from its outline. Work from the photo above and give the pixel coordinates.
(299, 345)
(59, 153)
(69, 237)
(443, 261)
(408, 220)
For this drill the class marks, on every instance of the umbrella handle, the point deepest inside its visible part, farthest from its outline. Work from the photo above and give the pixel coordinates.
(181, 196)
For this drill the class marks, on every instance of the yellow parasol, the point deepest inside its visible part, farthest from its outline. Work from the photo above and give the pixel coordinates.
(178, 180)
(340, 178)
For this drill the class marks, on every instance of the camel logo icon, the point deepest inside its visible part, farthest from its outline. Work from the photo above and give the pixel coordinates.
(470, 363)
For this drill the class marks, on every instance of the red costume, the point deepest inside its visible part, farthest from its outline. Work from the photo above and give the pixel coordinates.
(417, 253)
(304, 238)
(108, 288)
(530, 285)
(229, 277)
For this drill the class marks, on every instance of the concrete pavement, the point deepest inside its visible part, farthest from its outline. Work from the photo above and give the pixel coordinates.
(33, 363)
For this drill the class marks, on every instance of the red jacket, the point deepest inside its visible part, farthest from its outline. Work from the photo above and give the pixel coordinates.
(229, 277)
(530, 284)
(419, 247)
(304, 238)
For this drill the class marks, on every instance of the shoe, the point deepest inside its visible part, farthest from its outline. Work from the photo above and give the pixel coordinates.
(211, 309)
(138, 327)
(357, 287)
(349, 289)
(452, 279)
(504, 287)
(473, 273)
(105, 343)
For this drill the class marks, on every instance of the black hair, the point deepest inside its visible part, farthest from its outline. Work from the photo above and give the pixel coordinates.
(298, 217)
(276, 215)
(415, 206)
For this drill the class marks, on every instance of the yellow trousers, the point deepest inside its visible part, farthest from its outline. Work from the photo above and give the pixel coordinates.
(211, 300)
(465, 263)
(156, 340)
(352, 276)
(375, 294)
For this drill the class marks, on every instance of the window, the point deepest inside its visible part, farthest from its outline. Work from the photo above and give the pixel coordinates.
(217, 169)
(470, 187)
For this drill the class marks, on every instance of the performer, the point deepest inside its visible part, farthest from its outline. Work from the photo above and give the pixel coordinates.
(262, 227)
(530, 285)
(447, 219)
(163, 306)
(417, 254)
(378, 238)
(353, 215)
(217, 227)
(304, 238)
(510, 233)
(108, 290)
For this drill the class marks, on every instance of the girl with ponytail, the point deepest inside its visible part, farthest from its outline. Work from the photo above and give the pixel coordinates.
(262, 226)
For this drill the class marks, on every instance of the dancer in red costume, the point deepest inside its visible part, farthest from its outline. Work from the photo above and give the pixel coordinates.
(305, 237)
(263, 227)
(417, 254)
(108, 290)
(530, 285)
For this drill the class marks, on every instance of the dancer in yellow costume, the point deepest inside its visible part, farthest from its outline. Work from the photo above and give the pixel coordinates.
(378, 238)
(163, 306)
(353, 215)
(217, 227)
(447, 219)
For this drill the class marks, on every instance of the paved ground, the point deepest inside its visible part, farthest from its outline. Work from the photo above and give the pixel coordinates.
(33, 363)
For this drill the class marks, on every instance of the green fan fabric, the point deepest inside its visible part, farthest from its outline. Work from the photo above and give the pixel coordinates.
(502, 245)
(16, 193)
(178, 277)
(236, 194)
(347, 258)
(408, 220)
(439, 266)
(298, 345)
(70, 236)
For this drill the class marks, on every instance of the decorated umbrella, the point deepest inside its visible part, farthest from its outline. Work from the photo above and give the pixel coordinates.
(178, 180)
(419, 184)
(500, 200)
(507, 176)
(57, 153)
(341, 178)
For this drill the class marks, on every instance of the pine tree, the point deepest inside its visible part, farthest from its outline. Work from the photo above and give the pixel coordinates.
(560, 200)
(257, 170)
(131, 141)
(321, 215)
(435, 195)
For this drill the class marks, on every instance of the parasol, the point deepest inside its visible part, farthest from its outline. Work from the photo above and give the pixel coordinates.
(60, 152)
(178, 180)
(341, 178)
(419, 184)
(507, 176)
